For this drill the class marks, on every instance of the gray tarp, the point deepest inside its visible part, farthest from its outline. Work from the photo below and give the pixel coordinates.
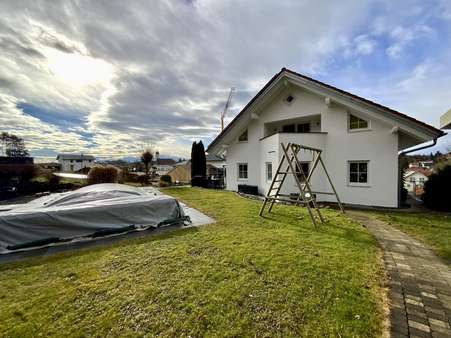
(84, 212)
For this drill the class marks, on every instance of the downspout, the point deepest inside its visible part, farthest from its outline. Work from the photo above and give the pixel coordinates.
(434, 142)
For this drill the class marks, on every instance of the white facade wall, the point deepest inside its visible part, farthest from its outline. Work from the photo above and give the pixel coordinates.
(378, 146)
(414, 180)
(73, 165)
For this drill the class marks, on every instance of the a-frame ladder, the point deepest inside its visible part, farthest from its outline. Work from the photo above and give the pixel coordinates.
(306, 194)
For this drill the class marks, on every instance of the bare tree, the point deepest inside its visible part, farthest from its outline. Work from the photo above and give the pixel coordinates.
(12, 145)
(146, 159)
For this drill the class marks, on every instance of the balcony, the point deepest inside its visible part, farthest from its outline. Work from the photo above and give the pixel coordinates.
(272, 142)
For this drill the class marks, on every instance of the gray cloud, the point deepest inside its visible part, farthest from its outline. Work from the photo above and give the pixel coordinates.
(168, 65)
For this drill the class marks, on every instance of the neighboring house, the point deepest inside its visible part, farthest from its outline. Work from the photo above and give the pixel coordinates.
(181, 173)
(75, 162)
(161, 166)
(215, 171)
(215, 166)
(414, 180)
(426, 164)
(360, 140)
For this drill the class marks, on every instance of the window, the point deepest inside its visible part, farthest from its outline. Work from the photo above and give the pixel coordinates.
(242, 171)
(358, 172)
(304, 169)
(357, 123)
(243, 137)
(412, 179)
(304, 128)
(289, 128)
(268, 171)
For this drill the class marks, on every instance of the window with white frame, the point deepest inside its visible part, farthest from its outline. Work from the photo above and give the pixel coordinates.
(302, 171)
(356, 123)
(242, 171)
(243, 137)
(269, 171)
(358, 172)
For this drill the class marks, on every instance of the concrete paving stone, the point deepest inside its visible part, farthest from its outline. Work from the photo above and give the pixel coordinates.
(419, 326)
(434, 303)
(396, 334)
(440, 323)
(440, 329)
(415, 332)
(436, 316)
(427, 287)
(440, 335)
(418, 319)
(413, 308)
(428, 295)
(412, 297)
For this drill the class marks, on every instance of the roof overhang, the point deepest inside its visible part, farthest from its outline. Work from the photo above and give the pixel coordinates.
(332, 95)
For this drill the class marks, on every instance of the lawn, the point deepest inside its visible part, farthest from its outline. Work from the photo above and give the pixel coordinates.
(242, 276)
(432, 228)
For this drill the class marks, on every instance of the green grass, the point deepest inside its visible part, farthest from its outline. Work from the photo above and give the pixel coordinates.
(432, 228)
(242, 276)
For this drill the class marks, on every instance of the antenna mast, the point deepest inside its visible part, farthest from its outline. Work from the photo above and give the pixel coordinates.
(226, 107)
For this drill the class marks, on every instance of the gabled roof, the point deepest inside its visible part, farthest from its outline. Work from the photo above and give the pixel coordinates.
(164, 161)
(425, 172)
(277, 77)
(75, 157)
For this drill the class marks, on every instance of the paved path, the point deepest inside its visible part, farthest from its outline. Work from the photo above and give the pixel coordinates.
(420, 283)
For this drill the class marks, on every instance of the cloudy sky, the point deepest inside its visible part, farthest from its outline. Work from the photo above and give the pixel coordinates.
(112, 77)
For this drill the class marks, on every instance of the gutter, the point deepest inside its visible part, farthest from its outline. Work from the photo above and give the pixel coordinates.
(434, 142)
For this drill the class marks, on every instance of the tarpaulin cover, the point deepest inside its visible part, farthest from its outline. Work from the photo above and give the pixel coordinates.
(99, 208)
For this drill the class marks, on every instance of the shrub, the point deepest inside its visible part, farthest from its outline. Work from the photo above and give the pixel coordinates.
(84, 170)
(437, 189)
(108, 174)
(143, 179)
(164, 184)
(166, 178)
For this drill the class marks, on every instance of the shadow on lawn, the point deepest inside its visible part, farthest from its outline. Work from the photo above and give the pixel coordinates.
(336, 225)
(43, 256)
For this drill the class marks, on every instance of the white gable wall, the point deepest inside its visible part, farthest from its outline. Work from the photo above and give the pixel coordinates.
(378, 146)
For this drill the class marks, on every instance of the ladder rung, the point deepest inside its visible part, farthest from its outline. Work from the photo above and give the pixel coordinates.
(282, 172)
(276, 181)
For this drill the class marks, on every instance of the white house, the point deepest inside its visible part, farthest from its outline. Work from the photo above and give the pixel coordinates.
(75, 162)
(162, 166)
(415, 179)
(360, 139)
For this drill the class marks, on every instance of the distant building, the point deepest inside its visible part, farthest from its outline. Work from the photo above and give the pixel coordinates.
(162, 166)
(75, 162)
(414, 180)
(215, 166)
(181, 172)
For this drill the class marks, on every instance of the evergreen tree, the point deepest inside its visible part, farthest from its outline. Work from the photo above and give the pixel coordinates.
(198, 164)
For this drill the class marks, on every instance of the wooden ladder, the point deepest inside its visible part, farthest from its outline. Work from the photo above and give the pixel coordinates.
(305, 196)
